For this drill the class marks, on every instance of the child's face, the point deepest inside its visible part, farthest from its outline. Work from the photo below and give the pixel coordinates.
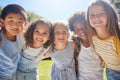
(13, 24)
(97, 17)
(40, 35)
(61, 34)
(78, 29)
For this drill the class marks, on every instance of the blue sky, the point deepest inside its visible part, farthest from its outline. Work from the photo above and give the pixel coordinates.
(51, 9)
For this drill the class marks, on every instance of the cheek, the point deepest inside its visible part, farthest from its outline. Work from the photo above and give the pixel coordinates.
(46, 38)
(91, 23)
(55, 38)
(21, 27)
(105, 21)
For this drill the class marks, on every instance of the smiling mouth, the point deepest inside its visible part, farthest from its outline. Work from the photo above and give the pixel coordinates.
(61, 39)
(39, 40)
(15, 29)
(83, 34)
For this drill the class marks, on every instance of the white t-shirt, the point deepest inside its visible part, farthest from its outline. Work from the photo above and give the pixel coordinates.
(89, 65)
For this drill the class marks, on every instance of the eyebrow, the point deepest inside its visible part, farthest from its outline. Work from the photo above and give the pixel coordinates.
(12, 18)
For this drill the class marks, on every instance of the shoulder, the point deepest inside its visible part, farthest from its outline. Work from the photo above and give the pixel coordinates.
(21, 41)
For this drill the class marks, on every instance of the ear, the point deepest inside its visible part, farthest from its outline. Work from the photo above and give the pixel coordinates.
(25, 24)
(1, 23)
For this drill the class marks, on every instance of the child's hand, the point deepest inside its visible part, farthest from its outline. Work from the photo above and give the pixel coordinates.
(103, 64)
(73, 37)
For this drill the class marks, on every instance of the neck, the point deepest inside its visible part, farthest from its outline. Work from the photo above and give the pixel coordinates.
(103, 34)
(86, 43)
(9, 37)
(60, 46)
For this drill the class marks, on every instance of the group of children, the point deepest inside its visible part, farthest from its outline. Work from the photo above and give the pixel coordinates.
(94, 45)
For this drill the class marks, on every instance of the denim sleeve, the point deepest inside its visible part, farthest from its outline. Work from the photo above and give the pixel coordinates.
(6, 66)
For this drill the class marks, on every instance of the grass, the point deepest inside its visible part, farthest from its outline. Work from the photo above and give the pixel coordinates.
(44, 69)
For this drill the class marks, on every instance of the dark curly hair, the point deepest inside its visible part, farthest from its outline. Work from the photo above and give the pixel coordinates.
(77, 16)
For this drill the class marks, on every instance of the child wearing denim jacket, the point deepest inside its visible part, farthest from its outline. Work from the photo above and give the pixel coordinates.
(37, 39)
(13, 20)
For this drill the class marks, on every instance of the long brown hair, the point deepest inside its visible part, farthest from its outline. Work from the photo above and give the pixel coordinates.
(112, 23)
(29, 33)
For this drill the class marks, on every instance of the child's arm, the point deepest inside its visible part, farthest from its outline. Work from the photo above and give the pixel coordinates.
(0, 40)
(46, 55)
(102, 63)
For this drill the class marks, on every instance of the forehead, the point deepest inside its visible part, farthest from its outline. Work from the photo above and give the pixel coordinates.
(77, 24)
(96, 9)
(42, 26)
(61, 28)
(14, 16)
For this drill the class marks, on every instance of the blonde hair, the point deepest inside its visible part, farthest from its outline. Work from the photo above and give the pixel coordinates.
(61, 24)
(58, 24)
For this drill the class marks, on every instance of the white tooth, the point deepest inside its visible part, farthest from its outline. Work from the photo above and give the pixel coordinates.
(82, 34)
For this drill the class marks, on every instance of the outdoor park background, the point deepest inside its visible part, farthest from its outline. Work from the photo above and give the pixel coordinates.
(52, 10)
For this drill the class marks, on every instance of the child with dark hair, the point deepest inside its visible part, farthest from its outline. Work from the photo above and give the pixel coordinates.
(37, 39)
(88, 62)
(13, 20)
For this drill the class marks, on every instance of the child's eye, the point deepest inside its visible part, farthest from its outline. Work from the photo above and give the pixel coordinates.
(64, 32)
(91, 15)
(10, 21)
(45, 33)
(97, 15)
(36, 31)
(57, 33)
(20, 22)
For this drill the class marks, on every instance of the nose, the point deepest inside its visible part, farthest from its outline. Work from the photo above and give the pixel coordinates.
(15, 24)
(40, 35)
(97, 16)
(61, 33)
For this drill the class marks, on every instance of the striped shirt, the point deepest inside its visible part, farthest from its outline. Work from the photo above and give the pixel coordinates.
(109, 50)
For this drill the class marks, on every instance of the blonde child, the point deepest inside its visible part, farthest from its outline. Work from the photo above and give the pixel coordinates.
(89, 63)
(62, 54)
(105, 35)
(13, 20)
(37, 39)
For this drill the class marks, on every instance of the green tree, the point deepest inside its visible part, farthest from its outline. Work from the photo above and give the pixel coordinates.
(32, 16)
(116, 3)
(117, 6)
(0, 10)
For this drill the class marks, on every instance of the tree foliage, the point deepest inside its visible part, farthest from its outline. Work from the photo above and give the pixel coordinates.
(116, 3)
(117, 6)
(0, 10)
(32, 16)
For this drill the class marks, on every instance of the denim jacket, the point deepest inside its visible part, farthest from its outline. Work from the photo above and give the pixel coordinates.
(7, 68)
